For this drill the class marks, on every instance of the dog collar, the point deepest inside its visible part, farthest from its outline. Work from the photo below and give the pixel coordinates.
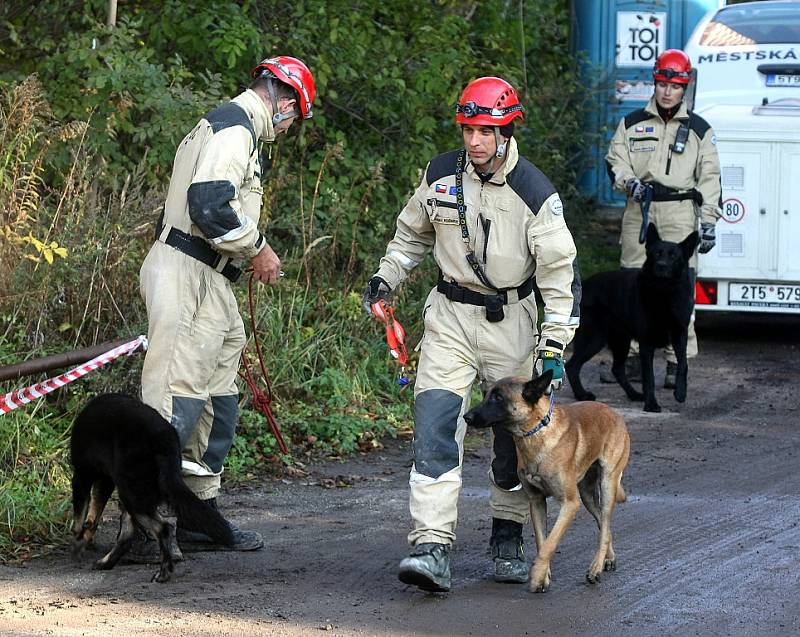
(546, 420)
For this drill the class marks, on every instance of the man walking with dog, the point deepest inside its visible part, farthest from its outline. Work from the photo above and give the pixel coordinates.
(664, 157)
(494, 223)
(207, 233)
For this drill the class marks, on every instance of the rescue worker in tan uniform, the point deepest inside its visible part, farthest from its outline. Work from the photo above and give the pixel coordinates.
(672, 150)
(207, 234)
(495, 224)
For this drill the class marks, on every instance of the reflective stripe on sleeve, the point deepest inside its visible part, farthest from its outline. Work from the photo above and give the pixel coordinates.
(562, 319)
(404, 260)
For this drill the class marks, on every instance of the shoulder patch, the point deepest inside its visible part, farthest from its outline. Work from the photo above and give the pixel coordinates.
(442, 166)
(228, 115)
(530, 184)
(556, 207)
(635, 117)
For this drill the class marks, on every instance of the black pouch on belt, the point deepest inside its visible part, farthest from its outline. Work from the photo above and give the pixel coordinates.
(494, 308)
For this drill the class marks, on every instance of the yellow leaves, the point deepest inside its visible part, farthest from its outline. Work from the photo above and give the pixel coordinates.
(49, 251)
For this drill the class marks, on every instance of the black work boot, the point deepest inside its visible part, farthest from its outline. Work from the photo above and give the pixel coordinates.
(144, 550)
(509, 559)
(193, 541)
(427, 567)
(670, 377)
(633, 370)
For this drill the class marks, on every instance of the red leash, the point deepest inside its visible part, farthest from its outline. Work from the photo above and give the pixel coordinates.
(261, 401)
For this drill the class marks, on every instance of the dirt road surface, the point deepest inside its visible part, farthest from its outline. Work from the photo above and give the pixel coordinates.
(708, 542)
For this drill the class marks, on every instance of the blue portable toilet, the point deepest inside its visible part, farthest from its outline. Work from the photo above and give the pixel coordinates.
(621, 40)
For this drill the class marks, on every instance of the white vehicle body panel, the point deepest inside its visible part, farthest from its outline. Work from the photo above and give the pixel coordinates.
(750, 94)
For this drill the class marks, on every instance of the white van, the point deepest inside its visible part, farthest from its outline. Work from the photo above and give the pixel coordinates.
(748, 88)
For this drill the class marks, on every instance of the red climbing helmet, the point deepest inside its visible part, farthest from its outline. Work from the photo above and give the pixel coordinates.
(674, 66)
(488, 101)
(293, 72)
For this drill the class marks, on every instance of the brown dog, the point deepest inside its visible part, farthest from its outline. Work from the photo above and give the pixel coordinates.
(578, 450)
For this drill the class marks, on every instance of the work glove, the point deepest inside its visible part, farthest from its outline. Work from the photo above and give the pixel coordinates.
(636, 189)
(550, 360)
(376, 290)
(708, 237)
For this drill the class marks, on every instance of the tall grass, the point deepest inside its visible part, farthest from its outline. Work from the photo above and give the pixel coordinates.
(70, 251)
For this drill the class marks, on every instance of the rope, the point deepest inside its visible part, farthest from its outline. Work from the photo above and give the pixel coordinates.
(261, 401)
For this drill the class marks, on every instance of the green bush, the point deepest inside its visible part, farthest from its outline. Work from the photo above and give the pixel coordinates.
(86, 151)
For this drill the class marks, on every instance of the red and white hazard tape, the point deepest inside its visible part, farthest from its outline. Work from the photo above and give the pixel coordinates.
(22, 397)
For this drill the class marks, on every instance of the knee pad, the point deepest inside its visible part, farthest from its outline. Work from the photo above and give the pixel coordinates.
(223, 429)
(436, 414)
(185, 414)
(504, 465)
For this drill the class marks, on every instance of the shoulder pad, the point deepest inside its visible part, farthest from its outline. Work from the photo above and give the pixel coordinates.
(634, 117)
(530, 184)
(442, 166)
(698, 125)
(228, 115)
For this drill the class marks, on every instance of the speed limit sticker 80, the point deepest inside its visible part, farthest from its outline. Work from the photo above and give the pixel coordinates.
(732, 210)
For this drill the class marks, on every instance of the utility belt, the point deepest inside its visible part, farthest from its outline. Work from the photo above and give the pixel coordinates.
(197, 248)
(665, 193)
(492, 302)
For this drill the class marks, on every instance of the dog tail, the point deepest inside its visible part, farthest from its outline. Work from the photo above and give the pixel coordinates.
(192, 512)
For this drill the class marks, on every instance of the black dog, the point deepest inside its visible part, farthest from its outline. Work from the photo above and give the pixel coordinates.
(119, 441)
(652, 305)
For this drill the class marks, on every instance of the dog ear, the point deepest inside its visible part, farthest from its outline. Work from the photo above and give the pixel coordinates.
(689, 244)
(535, 388)
(652, 235)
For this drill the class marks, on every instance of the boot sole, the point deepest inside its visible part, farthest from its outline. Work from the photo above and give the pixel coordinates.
(200, 547)
(425, 581)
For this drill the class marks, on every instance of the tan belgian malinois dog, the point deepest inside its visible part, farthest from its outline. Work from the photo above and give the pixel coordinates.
(568, 452)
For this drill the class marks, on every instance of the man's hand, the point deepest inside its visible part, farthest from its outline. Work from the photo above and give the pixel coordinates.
(636, 189)
(550, 360)
(708, 238)
(266, 265)
(376, 290)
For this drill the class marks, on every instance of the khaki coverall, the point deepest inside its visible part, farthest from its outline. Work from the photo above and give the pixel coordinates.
(642, 147)
(517, 230)
(195, 331)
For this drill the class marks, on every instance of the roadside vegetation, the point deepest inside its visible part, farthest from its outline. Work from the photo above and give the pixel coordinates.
(90, 116)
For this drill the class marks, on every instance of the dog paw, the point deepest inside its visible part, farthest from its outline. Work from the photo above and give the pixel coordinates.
(102, 565)
(592, 576)
(610, 564)
(161, 576)
(652, 407)
(680, 395)
(539, 579)
(635, 395)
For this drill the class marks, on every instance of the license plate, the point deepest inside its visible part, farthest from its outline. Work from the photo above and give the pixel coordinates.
(783, 80)
(764, 295)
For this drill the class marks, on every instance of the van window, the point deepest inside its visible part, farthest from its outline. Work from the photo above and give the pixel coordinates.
(754, 25)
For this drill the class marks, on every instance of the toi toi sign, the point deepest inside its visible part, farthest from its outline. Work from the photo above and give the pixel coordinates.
(640, 38)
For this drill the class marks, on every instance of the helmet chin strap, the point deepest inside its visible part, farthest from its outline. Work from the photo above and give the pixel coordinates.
(277, 116)
(501, 144)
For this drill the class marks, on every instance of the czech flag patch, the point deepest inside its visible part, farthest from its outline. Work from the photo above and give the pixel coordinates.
(441, 188)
